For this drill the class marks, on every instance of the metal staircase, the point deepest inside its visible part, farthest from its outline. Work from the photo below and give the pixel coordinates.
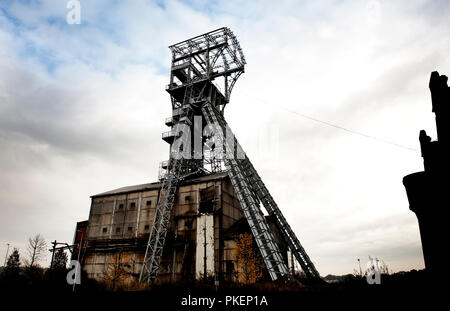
(177, 170)
(256, 185)
(261, 232)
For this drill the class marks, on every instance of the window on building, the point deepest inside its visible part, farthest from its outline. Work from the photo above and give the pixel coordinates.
(208, 200)
(229, 266)
(130, 229)
(117, 229)
(188, 223)
(105, 230)
(149, 202)
(146, 227)
(132, 205)
(187, 198)
(120, 206)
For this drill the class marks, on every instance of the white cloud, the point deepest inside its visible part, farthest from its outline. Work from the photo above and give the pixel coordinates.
(82, 109)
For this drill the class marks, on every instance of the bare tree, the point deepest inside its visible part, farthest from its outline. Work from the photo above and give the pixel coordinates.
(116, 271)
(36, 249)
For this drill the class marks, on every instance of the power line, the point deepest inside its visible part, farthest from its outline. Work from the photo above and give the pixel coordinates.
(349, 131)
(337, 126)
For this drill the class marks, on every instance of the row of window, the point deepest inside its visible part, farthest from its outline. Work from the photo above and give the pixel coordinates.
(130, 229)
(133, 205)
(148, 203)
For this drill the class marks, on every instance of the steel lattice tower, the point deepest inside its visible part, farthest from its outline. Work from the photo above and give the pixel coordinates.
(203, 72)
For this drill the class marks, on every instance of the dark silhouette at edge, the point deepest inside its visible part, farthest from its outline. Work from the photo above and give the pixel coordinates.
(427, 190)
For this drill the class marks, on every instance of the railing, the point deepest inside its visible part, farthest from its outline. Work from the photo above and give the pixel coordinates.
(163, 170)
(173, 85)
(177, 111)
(169, 120)
(164, 164)
(168, 134)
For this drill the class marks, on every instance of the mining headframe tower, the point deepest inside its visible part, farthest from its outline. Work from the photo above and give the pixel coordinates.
(203, 73)
(186, 225)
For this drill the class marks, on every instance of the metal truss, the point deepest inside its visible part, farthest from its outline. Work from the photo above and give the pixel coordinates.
(263, 236)
(161, 224)
(178, 168)
(258, 188)
(272, 208)
(203, 73)
(214, 55)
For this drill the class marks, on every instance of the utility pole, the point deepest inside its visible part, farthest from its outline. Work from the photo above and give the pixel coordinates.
(6, 256)
(54, 249)
(360, 271)
(53, 253)
(78, 259)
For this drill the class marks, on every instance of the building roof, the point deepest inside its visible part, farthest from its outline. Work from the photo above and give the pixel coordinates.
(157, 185)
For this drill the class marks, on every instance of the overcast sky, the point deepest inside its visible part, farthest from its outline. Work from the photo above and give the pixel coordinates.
(82, 109)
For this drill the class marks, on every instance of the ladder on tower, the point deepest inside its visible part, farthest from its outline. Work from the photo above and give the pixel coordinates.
(263, 236)
(258, 187)
(177, 171)
(161, 223)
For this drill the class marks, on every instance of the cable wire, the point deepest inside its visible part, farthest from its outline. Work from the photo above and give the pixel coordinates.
(337, 126)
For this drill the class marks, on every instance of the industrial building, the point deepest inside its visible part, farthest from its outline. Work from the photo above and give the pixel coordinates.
(185, 226)
(206, 220)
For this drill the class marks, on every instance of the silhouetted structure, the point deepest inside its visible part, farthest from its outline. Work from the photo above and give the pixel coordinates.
(428, 190)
